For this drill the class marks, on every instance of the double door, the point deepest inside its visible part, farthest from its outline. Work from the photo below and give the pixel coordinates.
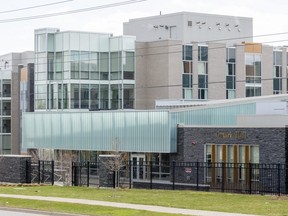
(139, 167)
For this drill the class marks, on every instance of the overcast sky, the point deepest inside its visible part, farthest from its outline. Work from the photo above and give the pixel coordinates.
(268, 17)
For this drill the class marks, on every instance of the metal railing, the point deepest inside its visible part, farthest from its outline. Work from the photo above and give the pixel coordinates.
(246, 178)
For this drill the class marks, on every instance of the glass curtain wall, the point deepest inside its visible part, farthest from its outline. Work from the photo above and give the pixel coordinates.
(76, 70)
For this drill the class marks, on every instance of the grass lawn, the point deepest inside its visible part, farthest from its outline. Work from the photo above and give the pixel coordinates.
(223, 202)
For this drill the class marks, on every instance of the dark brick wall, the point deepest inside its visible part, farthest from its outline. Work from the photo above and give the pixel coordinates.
(13, 168)
(271, 141)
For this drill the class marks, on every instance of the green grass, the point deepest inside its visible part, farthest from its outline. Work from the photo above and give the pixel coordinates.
(223, 202)
(73, 208)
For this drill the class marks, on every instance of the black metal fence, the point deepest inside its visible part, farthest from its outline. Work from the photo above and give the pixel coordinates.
(40, 172)
(223, 177)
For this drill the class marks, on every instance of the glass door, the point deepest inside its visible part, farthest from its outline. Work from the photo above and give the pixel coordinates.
(138, 166)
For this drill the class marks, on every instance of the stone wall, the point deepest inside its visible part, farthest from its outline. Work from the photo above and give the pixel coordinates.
(13, 168)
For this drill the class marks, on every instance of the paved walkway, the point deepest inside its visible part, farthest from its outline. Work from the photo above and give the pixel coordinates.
(126, 205)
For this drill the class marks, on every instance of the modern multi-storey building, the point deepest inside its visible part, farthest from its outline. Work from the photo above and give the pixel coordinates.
(210, 57)
(15, 69)
(83, 70)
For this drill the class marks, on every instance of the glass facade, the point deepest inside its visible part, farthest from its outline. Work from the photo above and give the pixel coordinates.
(230, 73)
(253, 74)
(79, 70)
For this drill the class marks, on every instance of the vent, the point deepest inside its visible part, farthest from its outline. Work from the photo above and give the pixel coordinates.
(189, 23)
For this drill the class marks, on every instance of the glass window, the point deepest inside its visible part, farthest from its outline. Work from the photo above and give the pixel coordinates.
(6, 88)
(6, 108)
(6, 125)
(230, 94)
(50, 44)
(41, 43)
(75, 103)
(187, 67)
(254, 154)
(104, 66)
(201, 68)
(231, 54)
(94, 70)
(202, 93)
(277, 57)
(187, 52)
(40, 96)
(128, 65)
(84, 96)
(104, 97)
(187, 81)
(203, 81)
(128, 97)
(116, 96)
(188, 93)
(75, 65)
(202, 53)
(94, 97)
(59, 66)
(115, 65)
(84, 65)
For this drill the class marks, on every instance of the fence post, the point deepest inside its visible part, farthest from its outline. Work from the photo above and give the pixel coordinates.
(130, 174)
(223, 173)
(197, 174)
(279, 178)
(114, 182)
(88, 173)
(52, 172)
(76, 180)
(250, 178)
(173, 176)
(39, 176)
(28, 172)
(72, 174)
(150, 174)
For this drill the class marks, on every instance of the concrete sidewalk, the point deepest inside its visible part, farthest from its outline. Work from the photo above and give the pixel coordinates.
(126, 205)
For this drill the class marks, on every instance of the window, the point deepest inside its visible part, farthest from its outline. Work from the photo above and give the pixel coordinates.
(187, 52)
(236, 158)
(115, 66)
(230, 73)
(75, 65)
(277, 72)
(128, 65)
(187, 72)
(59, 66)
(253, 74)
(202, 72)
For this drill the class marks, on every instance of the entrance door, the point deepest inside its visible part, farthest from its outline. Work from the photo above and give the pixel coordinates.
(138, 166)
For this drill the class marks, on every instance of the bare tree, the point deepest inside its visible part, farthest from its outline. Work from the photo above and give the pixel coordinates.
(114, 161)
(63, 166)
